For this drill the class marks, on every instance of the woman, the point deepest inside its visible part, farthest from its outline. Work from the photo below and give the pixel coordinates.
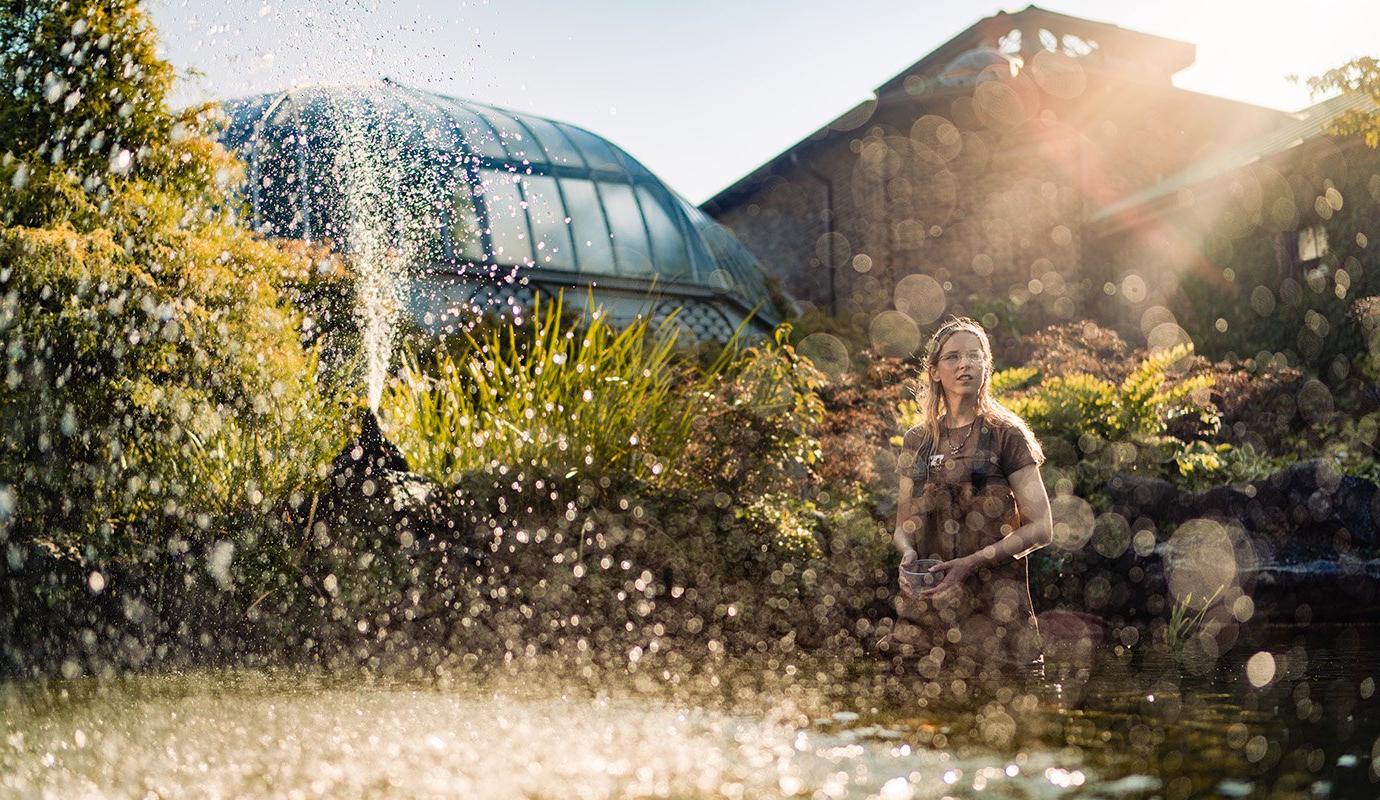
(971, 497)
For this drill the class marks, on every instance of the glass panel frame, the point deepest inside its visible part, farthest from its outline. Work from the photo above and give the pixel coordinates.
(478, 135)
(670, 254)
(598, 154)
(465, 229)
(555, 146)
(517, 141)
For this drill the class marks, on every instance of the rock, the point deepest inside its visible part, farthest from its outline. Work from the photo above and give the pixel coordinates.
(1312, 533)
(369, 454)
(1130, 784)
(1323, 589)
(1221, 502)
(1306, 477)
(1358, 505)
(383, 549)
(1302, 512)
(1137, 496)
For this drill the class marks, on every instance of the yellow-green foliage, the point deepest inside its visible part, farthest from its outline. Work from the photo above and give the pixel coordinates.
(1127, 422)
(907, 417)
(773, 383)
(790, 529)
(1147, 406)
(1010, 380)
(563, 401)
(1069, 406)
(153, 369)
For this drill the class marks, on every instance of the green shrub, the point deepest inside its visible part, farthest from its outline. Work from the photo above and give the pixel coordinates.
(787, 526)
(1070, 407)
(1082, 346)
(1100, 426)
(154, 369)
(758, 430)
(1010, 380)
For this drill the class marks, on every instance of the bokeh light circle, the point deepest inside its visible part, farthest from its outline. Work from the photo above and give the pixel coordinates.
(1059, 74)
(921, 298)
(894, 334)
(1073, 522)
(827, 352)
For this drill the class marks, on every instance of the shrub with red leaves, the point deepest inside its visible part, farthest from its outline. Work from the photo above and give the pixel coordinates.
(860, 419)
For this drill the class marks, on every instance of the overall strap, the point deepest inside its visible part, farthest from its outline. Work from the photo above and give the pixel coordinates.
(919, 472)
(984, 460)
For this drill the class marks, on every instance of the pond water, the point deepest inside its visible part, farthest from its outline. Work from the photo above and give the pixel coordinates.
(731, 727)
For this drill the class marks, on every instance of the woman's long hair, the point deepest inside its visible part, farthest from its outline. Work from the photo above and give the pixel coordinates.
(930, 393)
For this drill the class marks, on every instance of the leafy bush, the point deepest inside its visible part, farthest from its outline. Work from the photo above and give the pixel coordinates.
(1082, 347)
(1010, 380)
(1256, 400)
(758, 429)
(154, 367)
(1071, 407)
(860, 420)
(1125, 426)
(786, 523)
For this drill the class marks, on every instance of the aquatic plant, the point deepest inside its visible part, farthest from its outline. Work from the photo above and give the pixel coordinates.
(1185, 620)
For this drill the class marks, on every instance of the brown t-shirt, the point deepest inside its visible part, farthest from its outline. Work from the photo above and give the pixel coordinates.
(1007, 444)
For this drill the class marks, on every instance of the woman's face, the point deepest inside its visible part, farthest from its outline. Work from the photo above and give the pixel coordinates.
(961, 366)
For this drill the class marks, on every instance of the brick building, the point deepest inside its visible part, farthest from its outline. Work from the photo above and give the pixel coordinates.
(1019, 170)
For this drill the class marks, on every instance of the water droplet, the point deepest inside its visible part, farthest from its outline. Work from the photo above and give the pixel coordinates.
(120, 161)
(1260, 669)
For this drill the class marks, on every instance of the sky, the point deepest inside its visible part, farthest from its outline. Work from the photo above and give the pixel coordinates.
(702, 93)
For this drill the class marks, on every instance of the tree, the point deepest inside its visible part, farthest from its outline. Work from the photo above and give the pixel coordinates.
(1359, 75)
(153, 371)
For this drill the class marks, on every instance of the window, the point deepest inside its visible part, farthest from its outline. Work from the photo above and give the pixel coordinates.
(466, 240)
(507, 218)
(629, 234)
(1312, 244)
(478, 136)
(668, 243)
(592, 243)
(555, 147)
(519, 145)
(549, 228)
(596, 151)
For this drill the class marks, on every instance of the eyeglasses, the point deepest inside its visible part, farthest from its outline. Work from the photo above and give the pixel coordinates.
(973, 356)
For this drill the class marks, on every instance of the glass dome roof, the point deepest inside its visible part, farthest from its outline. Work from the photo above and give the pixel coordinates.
(487, 192)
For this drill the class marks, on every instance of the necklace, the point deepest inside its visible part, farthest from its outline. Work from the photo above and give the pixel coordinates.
(953, 451)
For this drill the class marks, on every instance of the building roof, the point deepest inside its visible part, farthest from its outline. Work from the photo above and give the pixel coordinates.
(1167, 56)
(1308, 124)
(488, 189)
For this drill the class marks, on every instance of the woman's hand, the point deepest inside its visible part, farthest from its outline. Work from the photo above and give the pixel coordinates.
(908, 558)
(952, 573)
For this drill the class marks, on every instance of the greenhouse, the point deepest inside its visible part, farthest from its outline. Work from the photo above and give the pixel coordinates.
(487, 208)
